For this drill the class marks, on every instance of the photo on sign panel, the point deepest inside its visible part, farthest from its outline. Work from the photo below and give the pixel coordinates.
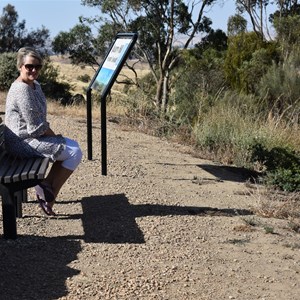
(111, 63)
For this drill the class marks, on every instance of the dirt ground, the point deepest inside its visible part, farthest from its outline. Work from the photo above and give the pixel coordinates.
(161, 225)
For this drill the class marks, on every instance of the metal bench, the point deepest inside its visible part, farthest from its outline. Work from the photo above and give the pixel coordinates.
(16, 176)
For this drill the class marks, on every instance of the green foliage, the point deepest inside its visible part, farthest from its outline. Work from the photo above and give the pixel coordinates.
(236, 24)
(277, 157)
(280, 88)
(106, 35)
(269, 230)
(8, 70)
(147, 85)
(138, 105)
(151, 20)
(285, 179)
(51, 85)
(285, 8)
(216, 39)
(288, 32)
(230, 144)
(245, 61)
(227, 129)
(232, 131)
(198, 85)
(78, 43)
(251, 71)
(282, 166)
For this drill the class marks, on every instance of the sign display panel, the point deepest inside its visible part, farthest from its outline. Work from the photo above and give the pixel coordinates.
(108, 71)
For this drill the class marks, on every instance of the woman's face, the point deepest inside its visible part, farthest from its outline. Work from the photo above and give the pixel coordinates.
(29, 71)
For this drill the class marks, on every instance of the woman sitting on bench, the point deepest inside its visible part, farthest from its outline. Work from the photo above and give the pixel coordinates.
(29, 134)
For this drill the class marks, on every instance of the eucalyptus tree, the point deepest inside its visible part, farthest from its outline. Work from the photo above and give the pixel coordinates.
(285, 8)
(78, 43)
(236, 24)
(164, 27)
(13, 34)
(256, 10)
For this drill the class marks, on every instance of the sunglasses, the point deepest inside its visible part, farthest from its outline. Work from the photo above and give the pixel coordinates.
(30, 67)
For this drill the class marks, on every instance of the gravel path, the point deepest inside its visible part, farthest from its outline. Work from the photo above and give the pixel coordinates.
(161, 225)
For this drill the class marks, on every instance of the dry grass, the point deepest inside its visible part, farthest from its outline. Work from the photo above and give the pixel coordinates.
(2, 98)
(244, 228)
(70, 73)
(56, 109)
(278, 204)
(76, 111)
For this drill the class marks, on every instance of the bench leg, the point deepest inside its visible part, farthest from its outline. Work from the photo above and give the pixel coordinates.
(9, 216)
(24, 196)
(18, 199)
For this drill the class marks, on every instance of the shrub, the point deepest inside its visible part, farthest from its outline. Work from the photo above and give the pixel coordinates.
(138, 101)
(84, 78)
(285, 179)
(282, 167)
(8, 70)
(51, 85)
(280, 88)
(247, 60)
(197, 84)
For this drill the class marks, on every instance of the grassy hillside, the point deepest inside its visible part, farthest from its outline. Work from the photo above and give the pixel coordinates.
(71, 74)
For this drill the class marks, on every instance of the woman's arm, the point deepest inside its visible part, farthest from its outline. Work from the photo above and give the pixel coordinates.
(32, 110)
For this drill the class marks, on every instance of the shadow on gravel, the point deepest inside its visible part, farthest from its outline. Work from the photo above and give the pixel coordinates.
(230, 173)
(111, 219)
(33, 267)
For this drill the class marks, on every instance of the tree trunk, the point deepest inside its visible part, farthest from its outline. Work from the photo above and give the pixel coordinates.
(159, 93)
(165, 94)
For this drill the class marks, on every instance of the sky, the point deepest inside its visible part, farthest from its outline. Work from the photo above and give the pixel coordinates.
(62, 15)
(55, 15)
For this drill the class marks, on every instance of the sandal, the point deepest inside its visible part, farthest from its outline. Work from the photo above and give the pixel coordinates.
(45, 192)
(45, 207)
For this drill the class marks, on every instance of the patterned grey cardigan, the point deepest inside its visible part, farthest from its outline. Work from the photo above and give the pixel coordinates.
(26, 122)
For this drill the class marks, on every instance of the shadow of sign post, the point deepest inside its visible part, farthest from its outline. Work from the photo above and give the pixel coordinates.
(112, 219)
(102, 82)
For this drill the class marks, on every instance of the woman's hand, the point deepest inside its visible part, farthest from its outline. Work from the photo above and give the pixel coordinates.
(49, 132)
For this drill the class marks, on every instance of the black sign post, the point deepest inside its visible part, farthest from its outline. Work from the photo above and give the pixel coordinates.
(102, 82)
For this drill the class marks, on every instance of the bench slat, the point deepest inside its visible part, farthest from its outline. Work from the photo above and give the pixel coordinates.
(1, 133)
(26, 170)
(2, 136)
(35, 167)
(5, 165)
(2, 155)
(17, 175)
(8, 178)
(42, 171)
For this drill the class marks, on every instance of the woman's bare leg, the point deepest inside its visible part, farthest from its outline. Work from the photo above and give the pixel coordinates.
(56, 178)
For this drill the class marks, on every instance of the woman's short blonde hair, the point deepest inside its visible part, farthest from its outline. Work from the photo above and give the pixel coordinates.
(27, 51)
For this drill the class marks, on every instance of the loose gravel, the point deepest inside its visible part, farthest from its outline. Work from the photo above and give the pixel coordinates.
(161, 225)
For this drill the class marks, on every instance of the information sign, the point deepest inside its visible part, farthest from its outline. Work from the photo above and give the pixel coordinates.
(102, 82)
